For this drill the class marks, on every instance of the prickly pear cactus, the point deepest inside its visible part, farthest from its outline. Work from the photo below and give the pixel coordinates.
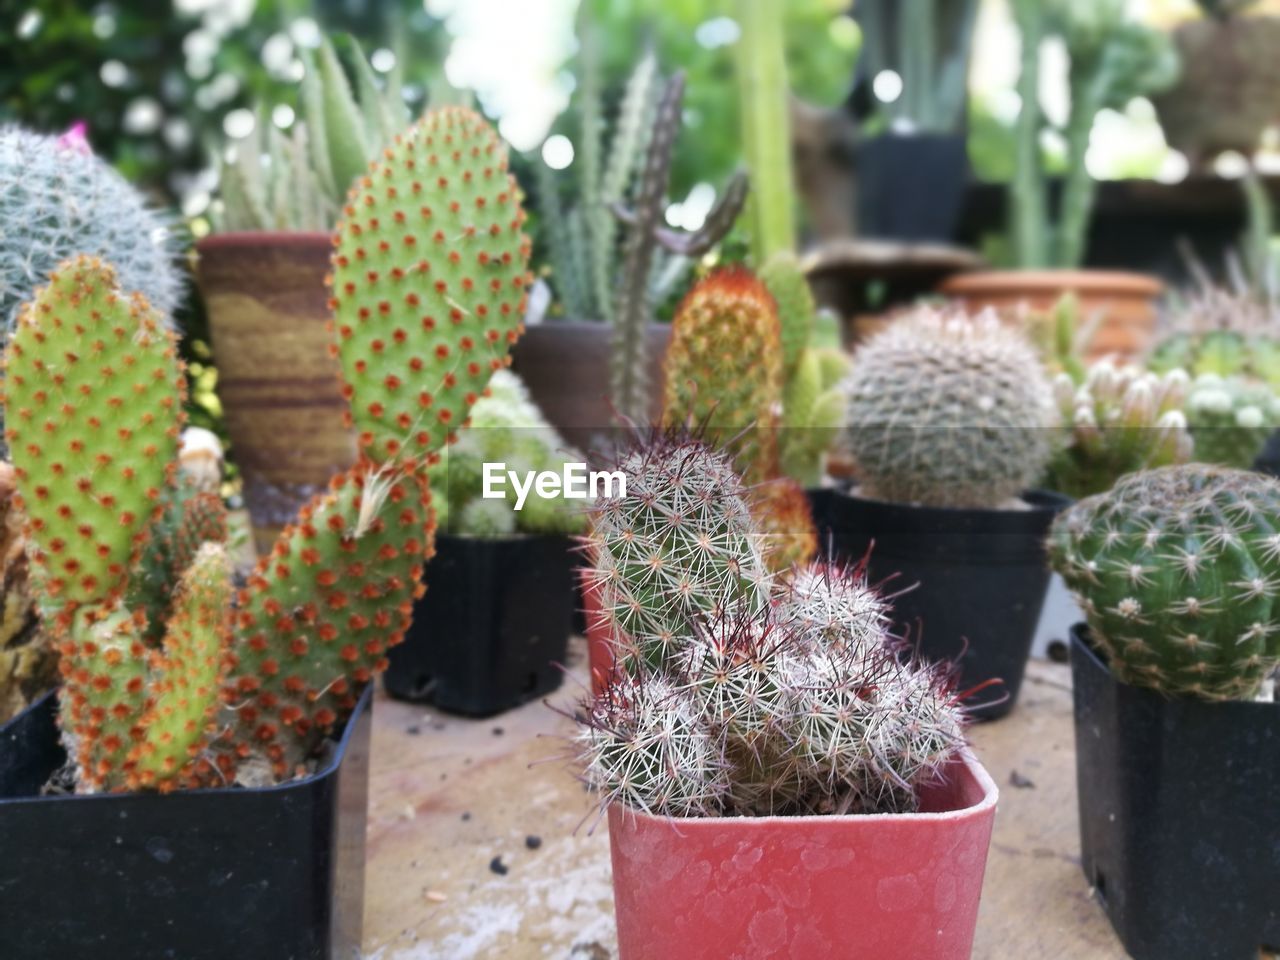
(93, 394)
(319, 613)
(1178, 571)
(680, 542)
(949, 411)
(429, 282)
(724, 369)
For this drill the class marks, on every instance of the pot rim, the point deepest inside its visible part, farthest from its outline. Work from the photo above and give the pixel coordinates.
(330, 767)
(966, 757)
(1091, 281)
(265, 238)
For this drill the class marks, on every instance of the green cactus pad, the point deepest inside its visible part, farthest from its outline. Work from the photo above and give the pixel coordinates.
(1178, 571)
(319, 613)
(188, 675)
(93, 393)
(104, 694)
(430, 274)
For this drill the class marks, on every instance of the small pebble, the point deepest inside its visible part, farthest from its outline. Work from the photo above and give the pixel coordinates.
(414, 730)
(435, 896)
(1022, 783)
(497, 866)
(533, 842)
(466, 815)
(498, 731)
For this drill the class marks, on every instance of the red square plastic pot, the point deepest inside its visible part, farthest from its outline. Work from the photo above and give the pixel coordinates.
(880, 887)
(600, 651)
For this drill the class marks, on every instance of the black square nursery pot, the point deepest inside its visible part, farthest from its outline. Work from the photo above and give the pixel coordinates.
(276, 872)
(492, 630)
(1179, 815)
(982, 578)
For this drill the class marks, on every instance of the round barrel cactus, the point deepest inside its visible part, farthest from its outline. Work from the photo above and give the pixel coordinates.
(949, 411)
(1178, 571)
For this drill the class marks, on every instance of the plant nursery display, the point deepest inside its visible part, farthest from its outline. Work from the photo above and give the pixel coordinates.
(262, 276)
(1177, 571)
(172, 678)
(761, 717)
(951, 422)
(494, 629)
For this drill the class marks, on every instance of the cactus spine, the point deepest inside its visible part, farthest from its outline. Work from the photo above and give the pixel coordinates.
(645, 233)
(949, 411)
(786, 698)
(1178, 571)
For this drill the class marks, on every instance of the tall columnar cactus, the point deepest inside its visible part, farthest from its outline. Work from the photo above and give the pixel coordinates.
(679, 542)
(800, 705)
(1230, 419)
(645, 219)
(1178, 571)
(1119, 420)
(57, 200)
(949, 411)
(724, 369)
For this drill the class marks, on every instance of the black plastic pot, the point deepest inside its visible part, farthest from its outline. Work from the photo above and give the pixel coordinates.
(982, 577)
(276, 872)
(911, 187)
(493, 627)
(1179, 819)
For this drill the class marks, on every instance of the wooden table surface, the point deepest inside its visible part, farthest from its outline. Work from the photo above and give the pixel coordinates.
(481, 844)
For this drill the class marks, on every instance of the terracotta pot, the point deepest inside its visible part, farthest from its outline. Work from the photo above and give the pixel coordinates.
(565, 364)
(1125, 301)
(268, 318)
(887, 887)
(600, 651)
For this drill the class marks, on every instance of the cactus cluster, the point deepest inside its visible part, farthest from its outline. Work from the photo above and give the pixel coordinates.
(1218, 330)
(429, 283)
(1119, 420)
(1230, 419)
(1178, 572)
(739, 694)
(506, 427)
(56, 200)
(298, 182)
(949, 411)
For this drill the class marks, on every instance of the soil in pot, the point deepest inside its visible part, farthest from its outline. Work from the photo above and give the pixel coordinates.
(1179, 824)
(492, 630)
(1126, 302)
(268, 317)
(982, 578)
(880, 887)
(199, 875)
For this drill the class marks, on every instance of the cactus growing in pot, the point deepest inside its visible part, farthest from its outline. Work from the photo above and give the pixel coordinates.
(94, 394)
(1177, 571)
(1230, 419)
(763, 698)
(949, 411)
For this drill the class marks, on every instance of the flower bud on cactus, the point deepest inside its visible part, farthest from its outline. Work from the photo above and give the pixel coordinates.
(430, 274)
(93, 393)
(1178, 571)
(949, 411)
(1121, 419)
(724, 369)
(679, 543)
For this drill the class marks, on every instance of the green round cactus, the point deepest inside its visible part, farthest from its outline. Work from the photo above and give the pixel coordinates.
(949, 411)
(1230, 419)
(1178, 571)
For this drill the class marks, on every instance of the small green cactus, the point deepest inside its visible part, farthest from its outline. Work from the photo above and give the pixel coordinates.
(1223, 331)
(1119, 420)
(949, 411)
(797, 704)
(1230, 419)
(1177, 570)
